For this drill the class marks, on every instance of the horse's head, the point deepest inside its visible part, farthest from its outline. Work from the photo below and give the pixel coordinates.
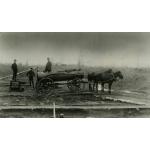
(118, 74)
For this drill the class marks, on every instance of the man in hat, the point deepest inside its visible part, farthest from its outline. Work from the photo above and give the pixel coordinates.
(31, 76)
(14, 69)
(48, 67)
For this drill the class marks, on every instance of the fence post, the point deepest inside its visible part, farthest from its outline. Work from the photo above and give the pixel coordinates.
(54, 110)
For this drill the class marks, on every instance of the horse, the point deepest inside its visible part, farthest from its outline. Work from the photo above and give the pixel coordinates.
(107, 77)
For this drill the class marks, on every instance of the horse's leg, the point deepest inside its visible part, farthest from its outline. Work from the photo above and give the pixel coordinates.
(90, 86)
(96, 86)
(109, 86)
(102, 87)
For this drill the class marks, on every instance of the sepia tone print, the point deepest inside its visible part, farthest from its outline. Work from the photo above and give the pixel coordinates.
(74, 75)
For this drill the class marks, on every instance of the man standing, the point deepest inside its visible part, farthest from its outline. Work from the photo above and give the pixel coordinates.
(31, 76)
(48, 67)
(15, 70)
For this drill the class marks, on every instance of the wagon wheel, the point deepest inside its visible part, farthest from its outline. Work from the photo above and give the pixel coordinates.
(74, 85)
(45, 86)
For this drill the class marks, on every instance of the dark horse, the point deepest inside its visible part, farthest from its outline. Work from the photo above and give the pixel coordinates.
(106, 77)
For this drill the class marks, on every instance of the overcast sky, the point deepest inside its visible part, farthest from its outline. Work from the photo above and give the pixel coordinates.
(94, 49)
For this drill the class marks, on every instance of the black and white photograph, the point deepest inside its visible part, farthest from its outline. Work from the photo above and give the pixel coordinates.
(75, 75)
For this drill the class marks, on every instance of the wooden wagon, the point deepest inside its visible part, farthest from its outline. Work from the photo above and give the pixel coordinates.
(49, 81)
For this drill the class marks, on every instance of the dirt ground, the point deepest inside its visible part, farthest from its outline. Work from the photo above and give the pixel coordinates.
(133, 90)
(63, 97)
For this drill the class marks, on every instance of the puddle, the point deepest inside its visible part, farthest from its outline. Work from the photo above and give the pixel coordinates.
(123, 91)
(129, 92)
(100, 88)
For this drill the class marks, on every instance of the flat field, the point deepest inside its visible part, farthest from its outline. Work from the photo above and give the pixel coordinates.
(133, 91)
